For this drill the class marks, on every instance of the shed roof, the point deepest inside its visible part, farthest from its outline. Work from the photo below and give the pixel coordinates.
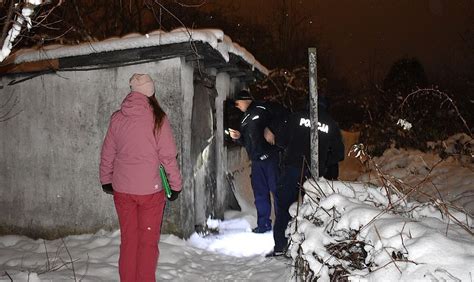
(210, 46)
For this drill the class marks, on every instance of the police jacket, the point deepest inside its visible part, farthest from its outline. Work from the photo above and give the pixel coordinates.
(258, 116)
(295, 134)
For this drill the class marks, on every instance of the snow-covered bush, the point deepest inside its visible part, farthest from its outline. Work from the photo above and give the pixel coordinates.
(460, 146)
(362, 232)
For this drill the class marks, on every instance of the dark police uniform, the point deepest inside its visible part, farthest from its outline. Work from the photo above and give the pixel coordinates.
(295, 138)
(264, 157)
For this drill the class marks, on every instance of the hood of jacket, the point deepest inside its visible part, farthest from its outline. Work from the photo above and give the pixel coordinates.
(135, 104)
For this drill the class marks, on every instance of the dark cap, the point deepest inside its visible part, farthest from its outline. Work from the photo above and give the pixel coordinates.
(243, 95)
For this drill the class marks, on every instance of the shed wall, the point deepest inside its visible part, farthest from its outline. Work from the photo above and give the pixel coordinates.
(49, 152)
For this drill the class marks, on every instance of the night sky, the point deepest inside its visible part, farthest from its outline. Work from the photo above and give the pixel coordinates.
(369, 35)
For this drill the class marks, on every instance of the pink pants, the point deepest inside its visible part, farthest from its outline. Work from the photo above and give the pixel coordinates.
(140, 219)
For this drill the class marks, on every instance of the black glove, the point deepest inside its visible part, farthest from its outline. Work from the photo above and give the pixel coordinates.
(174, 195)
(107, 188)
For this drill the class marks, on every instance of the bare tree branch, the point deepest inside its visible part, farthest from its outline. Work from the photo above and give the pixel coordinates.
(436, 92)
(191, 5)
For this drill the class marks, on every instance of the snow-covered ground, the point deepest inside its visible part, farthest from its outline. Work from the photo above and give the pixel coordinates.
(450, 179)
(344, 229)
(235, 254)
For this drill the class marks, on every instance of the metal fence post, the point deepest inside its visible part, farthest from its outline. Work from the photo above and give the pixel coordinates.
(313, 99)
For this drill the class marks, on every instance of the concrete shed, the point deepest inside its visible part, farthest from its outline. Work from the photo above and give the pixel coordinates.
(55, 105)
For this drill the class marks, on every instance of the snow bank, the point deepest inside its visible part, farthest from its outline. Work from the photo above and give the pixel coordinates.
(354, 229)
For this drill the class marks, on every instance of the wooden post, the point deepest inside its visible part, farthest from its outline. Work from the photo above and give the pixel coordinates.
(313, 108)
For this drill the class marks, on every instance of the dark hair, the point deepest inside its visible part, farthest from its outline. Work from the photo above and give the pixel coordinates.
(158, 113)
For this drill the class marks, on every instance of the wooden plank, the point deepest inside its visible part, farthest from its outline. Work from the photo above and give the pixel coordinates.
(52, 64)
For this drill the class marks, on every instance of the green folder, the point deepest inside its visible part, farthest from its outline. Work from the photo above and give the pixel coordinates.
(164, 180)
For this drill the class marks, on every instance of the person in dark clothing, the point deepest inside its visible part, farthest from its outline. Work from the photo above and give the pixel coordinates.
(294, 137)
(263, 155)
(331, 168)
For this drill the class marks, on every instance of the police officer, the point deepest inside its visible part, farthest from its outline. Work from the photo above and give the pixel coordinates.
(294, 137)
(264, 156)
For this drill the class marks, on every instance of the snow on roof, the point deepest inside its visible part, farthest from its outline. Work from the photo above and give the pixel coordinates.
(216, 38)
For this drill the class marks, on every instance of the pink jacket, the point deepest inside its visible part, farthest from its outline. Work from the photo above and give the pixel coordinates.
(131, 154)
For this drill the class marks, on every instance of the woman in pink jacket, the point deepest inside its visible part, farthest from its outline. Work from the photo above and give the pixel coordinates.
(138, 140)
